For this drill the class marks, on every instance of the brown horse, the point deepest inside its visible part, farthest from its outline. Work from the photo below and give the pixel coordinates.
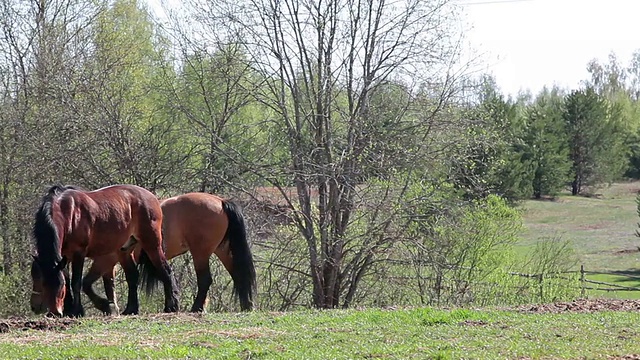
(203, 224)
(72, 224)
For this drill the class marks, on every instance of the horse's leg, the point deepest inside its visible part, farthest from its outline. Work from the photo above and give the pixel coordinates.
(150, 241)
(77, 266)
(98, 301)
(131, 274)
(224, 254)
(68, 297)
(108, 279)
(165, 274)
(203, 273)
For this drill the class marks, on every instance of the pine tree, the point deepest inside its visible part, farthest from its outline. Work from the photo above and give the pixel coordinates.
(595, 145)
(508, 172)
(546, 145)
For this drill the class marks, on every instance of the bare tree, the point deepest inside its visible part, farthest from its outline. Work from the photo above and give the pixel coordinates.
(36, 54)
(131, 138)
(320, 64)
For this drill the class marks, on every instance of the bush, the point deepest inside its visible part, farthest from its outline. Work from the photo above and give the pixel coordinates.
(15, 290)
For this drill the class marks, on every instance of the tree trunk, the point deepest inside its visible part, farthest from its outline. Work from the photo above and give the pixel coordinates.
(575, 186)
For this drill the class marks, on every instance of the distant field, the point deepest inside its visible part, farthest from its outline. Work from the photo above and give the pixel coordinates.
(601, 230)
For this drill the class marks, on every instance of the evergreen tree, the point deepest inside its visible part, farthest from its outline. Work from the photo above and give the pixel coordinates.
(492, 162)
(619, 85)
(595, 142)
(546, 145)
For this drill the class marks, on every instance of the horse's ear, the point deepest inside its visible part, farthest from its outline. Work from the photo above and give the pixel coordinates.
(62, 264)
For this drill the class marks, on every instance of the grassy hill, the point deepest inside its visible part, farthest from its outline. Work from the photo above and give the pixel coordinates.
(600, 229)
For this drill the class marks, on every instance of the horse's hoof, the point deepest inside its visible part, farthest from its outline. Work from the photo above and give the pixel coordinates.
(105, 307)
(53, 315)
(171, 309)
(130, 312)
(197, 309)
(113, 308)
(77, 314)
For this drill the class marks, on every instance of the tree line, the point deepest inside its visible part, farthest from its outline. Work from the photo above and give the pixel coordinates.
(378, 142)
(562, 138)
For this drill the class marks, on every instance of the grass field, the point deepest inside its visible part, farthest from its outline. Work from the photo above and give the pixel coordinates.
(337, 334)
(601, 231)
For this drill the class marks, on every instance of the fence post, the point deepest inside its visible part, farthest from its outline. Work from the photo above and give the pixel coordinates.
(582, 281)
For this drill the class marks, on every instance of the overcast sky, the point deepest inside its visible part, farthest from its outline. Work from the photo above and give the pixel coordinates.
(532, 43)
(527, 44)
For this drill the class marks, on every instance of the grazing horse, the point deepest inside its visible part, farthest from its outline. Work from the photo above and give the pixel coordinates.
(72, 224)
(37, 302)
(108, 306)
(201, 223)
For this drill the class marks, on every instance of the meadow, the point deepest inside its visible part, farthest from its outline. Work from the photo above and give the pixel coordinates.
(420, 333)
(599, 229)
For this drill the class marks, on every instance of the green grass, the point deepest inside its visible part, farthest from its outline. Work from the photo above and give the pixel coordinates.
(600, 229)
(615, 279)
(422, 333)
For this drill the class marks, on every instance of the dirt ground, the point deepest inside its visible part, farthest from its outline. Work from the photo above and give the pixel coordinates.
(583, 305)
(35, 324)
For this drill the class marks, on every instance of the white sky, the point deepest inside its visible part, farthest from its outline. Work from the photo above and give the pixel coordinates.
(531, 43)
(527, 44)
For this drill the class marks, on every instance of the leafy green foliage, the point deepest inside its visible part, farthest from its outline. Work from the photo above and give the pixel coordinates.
(487, 162)
(218, 116)
(515, 148)
(391, 147)
(399, 178)
(135, 140)
(458, 244)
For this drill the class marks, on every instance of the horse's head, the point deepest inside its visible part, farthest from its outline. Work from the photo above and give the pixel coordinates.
(49, 289)
(36, 300)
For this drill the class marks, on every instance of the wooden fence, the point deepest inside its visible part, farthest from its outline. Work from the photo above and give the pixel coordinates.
(581, 280)
(585, 282)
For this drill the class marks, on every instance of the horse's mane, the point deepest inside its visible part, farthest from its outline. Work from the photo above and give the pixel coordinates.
(44, 228)
(57, 189)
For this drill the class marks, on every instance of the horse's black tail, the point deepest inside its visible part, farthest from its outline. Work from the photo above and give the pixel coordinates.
(44, 229)
(148, 273)
(244, 272)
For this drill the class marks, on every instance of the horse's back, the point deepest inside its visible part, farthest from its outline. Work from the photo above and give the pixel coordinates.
(140, 200)
(105, 218)
(193, 221)
(131, 193)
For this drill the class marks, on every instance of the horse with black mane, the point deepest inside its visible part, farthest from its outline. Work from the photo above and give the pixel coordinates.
(203, 224)
(72, 224)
